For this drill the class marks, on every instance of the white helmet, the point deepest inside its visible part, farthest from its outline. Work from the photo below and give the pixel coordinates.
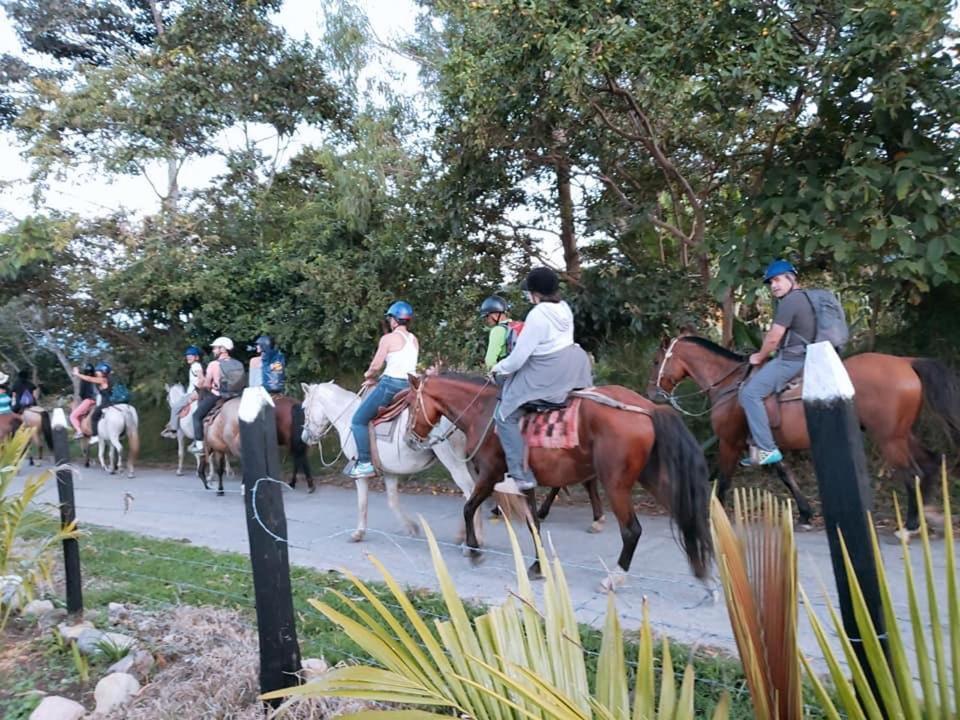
(3, 378)
(224, 342)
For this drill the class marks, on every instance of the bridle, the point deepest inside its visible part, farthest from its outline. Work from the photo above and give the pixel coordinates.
(672, 398)
(318, 431)
(425, 443)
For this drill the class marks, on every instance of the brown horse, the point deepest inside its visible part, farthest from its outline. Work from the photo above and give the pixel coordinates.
(623, 438)
(222, 438)
(38, 419)
(9, 424)
(889, 394)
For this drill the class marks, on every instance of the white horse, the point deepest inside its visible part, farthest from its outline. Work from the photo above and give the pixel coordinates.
(115, 420)
(184, 426)
(328, 404)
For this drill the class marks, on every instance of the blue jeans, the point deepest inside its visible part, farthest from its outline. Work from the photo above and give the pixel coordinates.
(381, 395)
(767, 380)
(511, 440)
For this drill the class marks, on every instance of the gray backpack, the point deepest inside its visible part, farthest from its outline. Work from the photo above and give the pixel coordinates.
(831, 322)
(233, 378)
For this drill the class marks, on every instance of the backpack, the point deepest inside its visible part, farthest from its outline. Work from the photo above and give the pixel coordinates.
(119, 394)
(233, 378)
(274, 370)
(831, 322)
(26, 398)
(514, 328)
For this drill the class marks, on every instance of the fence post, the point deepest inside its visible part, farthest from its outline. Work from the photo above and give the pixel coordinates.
(844, 482)
(68, 512)
(266, 522)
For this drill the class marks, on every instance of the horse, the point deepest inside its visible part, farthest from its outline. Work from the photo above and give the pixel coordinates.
(115, 421)
(623, 438)
(889, 393)
(327, 405)
(39, 419)
(9, 424)
(183, 425)
(222, 439)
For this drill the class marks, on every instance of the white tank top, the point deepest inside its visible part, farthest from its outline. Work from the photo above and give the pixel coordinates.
(403, 362)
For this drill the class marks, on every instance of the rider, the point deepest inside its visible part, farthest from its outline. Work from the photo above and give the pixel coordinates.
(546, 364)
(24, 392)
(6, 403)
(793, 321)
(268, 366)
(88, 399)
(102, 380)
(399, 349)
(221, 348)
(495, 312)
(192, 357)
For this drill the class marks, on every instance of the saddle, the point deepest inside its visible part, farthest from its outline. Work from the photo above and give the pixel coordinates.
(383, 427)
(551, 425)
(792, 392)
(214, 411)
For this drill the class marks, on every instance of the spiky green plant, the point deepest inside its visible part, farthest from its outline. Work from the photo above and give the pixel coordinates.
(515, 661)
(30, 561)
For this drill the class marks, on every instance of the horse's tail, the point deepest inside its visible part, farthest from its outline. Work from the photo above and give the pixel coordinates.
(676, 456)
(47, 429)
(131, 422)
(941, 393)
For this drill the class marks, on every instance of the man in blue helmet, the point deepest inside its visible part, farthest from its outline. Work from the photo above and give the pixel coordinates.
(397, 353)
(793, 322)
(192, 357)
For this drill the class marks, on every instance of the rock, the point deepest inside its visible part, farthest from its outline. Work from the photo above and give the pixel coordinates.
(54, 707)
(37, 608)
(114, 690)
(116, 611)
(142, 662)
(72, 632)
(10, 590)
(314, 668)
(91, 641)
(52, 618)
(123, 665)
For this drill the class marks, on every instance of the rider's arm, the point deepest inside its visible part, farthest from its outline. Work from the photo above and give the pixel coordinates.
(771, 341)
(495, 343)
(98, 381)
(534, 330)
(386, 345)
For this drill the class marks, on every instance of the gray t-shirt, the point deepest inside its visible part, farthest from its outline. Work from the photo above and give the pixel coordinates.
(795, 313)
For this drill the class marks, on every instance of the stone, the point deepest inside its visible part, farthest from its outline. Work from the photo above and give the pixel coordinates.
(313, 668)
(37, 608)
(91, 641)
(114, 690)
(116, 611)
(10, 590)
(54, 707)
(72, 632)
(143, 662)
(123, 665)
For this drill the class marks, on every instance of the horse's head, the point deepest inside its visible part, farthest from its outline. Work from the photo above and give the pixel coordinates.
(316, 422)
(175, 394)
(424, 413)
(668, 370)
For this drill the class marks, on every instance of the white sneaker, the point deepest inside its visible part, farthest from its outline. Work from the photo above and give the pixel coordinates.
(507, 486)
(196, 447)
(94, 440)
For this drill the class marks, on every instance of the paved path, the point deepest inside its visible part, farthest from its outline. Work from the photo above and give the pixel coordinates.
(167, 506)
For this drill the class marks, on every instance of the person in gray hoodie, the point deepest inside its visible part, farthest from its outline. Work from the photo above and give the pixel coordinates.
(545, 364)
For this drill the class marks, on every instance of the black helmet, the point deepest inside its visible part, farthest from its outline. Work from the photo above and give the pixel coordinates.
(542, 280)
(88, 369)
(265, 342)
(493, 304)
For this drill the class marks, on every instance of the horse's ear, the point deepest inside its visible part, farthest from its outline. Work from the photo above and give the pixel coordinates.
(166, 387)
(414, 381)
(686, 331)
(305, 387)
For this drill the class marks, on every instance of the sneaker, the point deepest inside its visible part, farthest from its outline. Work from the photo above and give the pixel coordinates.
(196, 447)
(78, 436)
(512, 486)
(94, 440)
(764, 457)
(362, 470)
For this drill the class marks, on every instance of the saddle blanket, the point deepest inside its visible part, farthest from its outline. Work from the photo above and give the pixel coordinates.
(555, 429)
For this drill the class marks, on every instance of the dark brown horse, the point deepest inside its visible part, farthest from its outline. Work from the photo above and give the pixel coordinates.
(222, 438)
(623, 439)
(890, 391)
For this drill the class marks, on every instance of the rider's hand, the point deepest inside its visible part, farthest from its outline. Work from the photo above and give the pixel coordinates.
(757, 359)
(368, 383)
(76, 371)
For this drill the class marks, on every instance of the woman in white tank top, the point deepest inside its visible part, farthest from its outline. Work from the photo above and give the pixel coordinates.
(397, 353)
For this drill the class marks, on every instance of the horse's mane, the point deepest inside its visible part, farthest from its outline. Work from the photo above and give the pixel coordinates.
(463, 377)
(714, 348)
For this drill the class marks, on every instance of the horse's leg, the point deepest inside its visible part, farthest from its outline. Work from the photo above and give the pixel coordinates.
(180, 451)
(621, 503)
(727, 460)
(362, 491)
(481, 491)
(534, 572)
(804, 510)
(393, 500)
(102, 452)
(547, 503)
(221, 461)
(593, 492)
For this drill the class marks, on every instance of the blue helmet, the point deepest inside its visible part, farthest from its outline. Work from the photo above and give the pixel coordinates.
(103, 367)
(778, 267)
(193, 350)
(400, 310)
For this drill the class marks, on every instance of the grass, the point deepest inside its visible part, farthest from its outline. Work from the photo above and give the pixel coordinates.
(127, 568)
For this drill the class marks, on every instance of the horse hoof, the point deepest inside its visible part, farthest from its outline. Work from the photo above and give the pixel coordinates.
(130, 476)
(613, 582)
(596, 527)
(357, 536)
(534, 573)
(413, 530)
(220, 493)
(804, 525)
(935, 518)
(311, 488)
(904, 534)
(476, 557)
(179, 473)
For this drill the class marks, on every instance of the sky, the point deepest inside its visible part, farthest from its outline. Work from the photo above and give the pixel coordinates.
(87, 193)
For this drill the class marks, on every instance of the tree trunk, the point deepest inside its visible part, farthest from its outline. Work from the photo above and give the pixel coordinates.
(64, 363)
(172, 199)
(728, 313)
(568, 237)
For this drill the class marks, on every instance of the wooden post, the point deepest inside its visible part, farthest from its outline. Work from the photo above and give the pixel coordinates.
(266, 522)
(68, 512)
(841, 466)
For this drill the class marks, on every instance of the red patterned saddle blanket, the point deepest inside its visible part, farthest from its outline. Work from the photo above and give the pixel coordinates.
(556, 429)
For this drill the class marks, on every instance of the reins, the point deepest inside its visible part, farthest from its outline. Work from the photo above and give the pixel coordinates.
(429, 441)
(674, 399)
